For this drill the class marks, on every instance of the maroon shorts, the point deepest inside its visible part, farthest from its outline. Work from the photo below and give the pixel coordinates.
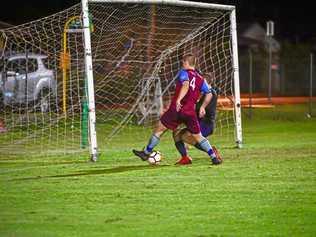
(172, 119)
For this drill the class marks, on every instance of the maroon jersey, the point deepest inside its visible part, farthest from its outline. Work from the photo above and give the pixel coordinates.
(197, 84)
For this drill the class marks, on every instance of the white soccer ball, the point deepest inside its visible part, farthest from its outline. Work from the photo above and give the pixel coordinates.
(154, 158)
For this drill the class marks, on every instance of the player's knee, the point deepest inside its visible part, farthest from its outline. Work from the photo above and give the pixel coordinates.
(197, 137)
(186, 135)
(160, 130)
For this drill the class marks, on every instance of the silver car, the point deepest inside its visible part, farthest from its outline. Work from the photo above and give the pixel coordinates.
(25, 80)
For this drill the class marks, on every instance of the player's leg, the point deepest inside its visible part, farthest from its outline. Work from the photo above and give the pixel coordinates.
(177, 135)
(153, 141)
(186, 137)
(168, 120)
(194, 127)
(207, 129)
(204, 145)
(155, 137)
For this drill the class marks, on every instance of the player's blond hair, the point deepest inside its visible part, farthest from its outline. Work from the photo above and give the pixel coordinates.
(190, 58)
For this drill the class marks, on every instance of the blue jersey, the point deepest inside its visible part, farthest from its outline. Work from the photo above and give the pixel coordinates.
(210, 109)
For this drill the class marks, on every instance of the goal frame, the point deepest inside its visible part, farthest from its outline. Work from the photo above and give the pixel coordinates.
(89, 66)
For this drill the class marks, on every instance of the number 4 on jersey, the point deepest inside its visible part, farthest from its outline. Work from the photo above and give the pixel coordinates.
(192, 83)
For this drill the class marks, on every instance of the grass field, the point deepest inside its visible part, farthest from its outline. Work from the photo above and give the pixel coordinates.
(268, 188)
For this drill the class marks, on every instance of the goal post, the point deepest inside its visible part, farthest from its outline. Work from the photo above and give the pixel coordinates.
(237, 103)
(89, 78)
(100, 73)
(234, 48)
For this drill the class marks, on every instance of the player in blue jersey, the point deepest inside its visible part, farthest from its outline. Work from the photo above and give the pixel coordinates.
(189, 85)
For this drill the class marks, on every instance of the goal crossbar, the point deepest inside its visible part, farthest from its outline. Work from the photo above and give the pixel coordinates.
(113, 63)
(232, 9)
(170, 2)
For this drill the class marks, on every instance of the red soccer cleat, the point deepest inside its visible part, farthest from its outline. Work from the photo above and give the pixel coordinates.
(186, 160)
(218, 156)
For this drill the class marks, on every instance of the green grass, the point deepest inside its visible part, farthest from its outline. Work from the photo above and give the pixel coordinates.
(268, 188)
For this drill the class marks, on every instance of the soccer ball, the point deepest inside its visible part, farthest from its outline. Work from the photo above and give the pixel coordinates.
(154, 158)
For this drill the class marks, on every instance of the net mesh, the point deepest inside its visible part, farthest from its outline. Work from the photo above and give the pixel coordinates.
(136, 51)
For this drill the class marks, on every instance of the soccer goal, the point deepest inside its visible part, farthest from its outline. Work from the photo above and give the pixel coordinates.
(79, 79)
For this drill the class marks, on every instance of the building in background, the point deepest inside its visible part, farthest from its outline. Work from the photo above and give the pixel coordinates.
(252, 40)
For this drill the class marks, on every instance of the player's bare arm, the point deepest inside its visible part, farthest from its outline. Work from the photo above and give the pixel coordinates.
(206, 101)
(183, 92)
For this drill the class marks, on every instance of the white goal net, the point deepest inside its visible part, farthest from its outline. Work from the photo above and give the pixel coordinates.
(136, 54)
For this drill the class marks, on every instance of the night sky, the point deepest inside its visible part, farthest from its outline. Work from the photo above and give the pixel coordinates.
(294, 21)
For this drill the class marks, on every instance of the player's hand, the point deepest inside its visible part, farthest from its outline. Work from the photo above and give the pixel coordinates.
(178, 106)
(202, 112)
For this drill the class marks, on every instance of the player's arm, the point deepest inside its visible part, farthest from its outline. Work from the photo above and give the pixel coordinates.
(184, 79)
(183, 91)
(207, 99)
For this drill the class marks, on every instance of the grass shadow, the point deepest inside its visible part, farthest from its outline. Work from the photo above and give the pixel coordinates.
(119, 169)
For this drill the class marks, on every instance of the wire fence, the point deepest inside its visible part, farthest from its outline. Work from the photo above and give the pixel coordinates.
(291, 76)
(293, 73)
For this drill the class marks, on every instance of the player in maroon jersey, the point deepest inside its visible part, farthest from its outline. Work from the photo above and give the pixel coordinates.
(189, 85)
(207, 125)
